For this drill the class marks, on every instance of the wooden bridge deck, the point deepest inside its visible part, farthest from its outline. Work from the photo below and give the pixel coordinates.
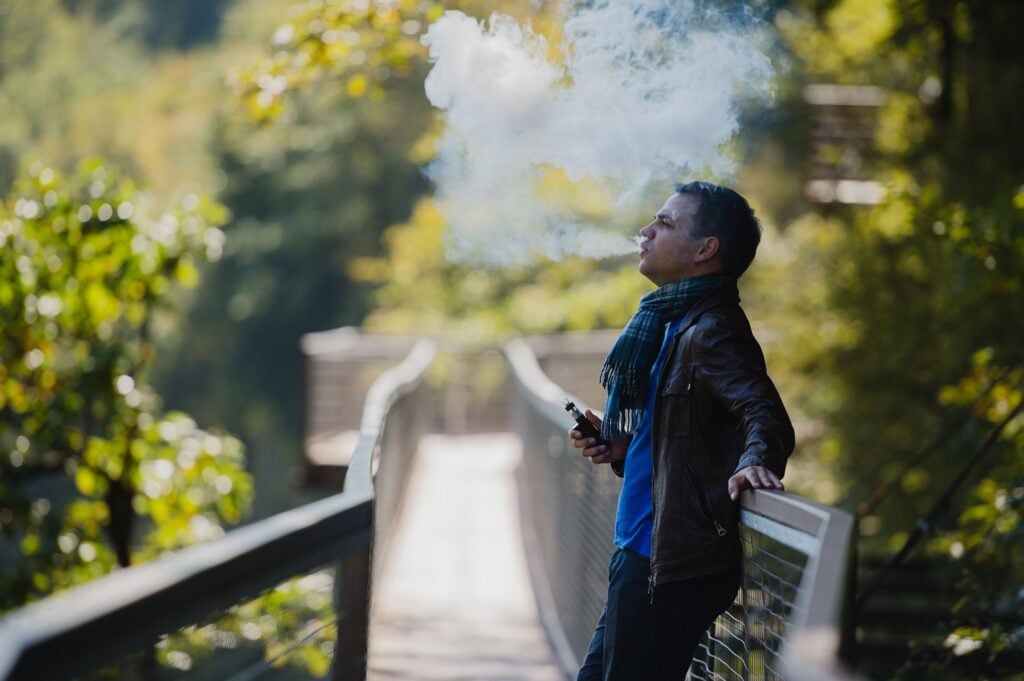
(454, 600)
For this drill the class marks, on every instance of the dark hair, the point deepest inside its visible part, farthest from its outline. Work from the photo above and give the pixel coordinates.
(725, 214)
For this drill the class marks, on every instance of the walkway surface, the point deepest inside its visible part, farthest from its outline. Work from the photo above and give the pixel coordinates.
(454, 600)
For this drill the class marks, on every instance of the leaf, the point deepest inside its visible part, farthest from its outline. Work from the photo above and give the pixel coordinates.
(86, 481)
(356, 86)
(103, 306)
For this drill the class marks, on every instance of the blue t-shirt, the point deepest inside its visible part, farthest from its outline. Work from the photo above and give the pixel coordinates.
(633, 520)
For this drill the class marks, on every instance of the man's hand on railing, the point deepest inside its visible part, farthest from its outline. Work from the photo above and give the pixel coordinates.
(598, 453)
(753, 477)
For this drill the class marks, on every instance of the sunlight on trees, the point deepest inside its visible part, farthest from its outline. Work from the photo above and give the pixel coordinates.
(361, 43)
(894, 330)
(88, 266)
(924, 290)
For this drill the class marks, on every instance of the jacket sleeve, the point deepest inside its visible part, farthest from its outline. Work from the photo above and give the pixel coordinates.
(732, 367)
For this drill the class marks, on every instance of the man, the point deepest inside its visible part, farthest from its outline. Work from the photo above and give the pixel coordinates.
(691, 420)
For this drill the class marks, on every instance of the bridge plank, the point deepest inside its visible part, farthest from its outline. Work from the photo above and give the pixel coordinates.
(454, 600)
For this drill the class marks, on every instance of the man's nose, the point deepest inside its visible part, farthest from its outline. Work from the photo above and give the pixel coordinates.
(647, 232)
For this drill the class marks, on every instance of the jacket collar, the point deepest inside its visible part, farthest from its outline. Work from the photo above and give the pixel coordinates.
(723, 295)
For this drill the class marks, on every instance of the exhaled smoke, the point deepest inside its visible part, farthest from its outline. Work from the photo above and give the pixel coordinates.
(647, 92)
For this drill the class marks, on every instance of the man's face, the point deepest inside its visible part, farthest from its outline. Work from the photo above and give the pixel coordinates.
(670, 252)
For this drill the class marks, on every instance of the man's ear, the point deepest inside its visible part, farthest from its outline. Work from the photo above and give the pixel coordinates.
(708, 249)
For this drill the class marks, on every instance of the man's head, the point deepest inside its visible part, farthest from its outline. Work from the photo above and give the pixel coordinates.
(727, 216)
(702, 229)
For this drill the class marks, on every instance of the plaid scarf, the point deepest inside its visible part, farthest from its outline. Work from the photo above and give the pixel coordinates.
(627, 369)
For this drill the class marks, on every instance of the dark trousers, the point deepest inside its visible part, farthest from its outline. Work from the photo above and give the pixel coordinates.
(637, 640)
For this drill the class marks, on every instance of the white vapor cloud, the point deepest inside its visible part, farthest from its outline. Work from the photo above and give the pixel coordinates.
(647, 92)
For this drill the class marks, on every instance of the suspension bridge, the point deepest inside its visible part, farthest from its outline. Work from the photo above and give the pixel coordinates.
(444, 556)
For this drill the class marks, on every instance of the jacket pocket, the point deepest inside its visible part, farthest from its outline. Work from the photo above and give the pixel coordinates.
(709, 519)
(676, 393)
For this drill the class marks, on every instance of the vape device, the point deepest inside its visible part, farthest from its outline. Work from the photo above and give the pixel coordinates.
(583, 425)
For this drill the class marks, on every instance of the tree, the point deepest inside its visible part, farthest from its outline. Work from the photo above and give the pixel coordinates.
(418, 289)
(918, 358)
(94, 474)
(321, 149)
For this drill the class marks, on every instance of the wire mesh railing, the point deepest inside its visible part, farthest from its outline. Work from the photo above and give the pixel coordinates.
(747, 641)
(283, 598)
(787, 621)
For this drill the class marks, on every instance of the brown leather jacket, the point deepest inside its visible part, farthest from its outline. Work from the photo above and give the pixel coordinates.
(716, 412)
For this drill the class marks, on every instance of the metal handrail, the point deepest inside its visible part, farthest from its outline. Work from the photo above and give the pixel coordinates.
(83, 628)
(817, 639)
(382, 395)
(815, 636)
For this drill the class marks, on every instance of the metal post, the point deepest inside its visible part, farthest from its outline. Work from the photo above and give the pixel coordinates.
(352, 596)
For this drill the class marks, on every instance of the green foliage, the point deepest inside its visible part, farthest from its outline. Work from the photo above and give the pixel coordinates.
(294, 624)
(306, 195)
(919, 299)
(42, 52)
(306, 191)
(363, 44)
(419, 289)
(87, 266)
(312, 181)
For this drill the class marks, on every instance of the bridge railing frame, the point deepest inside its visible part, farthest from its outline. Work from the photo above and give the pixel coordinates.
(816, 636)
(80, 630)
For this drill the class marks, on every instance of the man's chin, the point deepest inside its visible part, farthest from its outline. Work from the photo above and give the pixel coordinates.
(642, 270)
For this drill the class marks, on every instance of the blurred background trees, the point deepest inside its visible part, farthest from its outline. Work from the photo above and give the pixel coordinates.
(97, 474)
(893, 326)
(922, 299)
